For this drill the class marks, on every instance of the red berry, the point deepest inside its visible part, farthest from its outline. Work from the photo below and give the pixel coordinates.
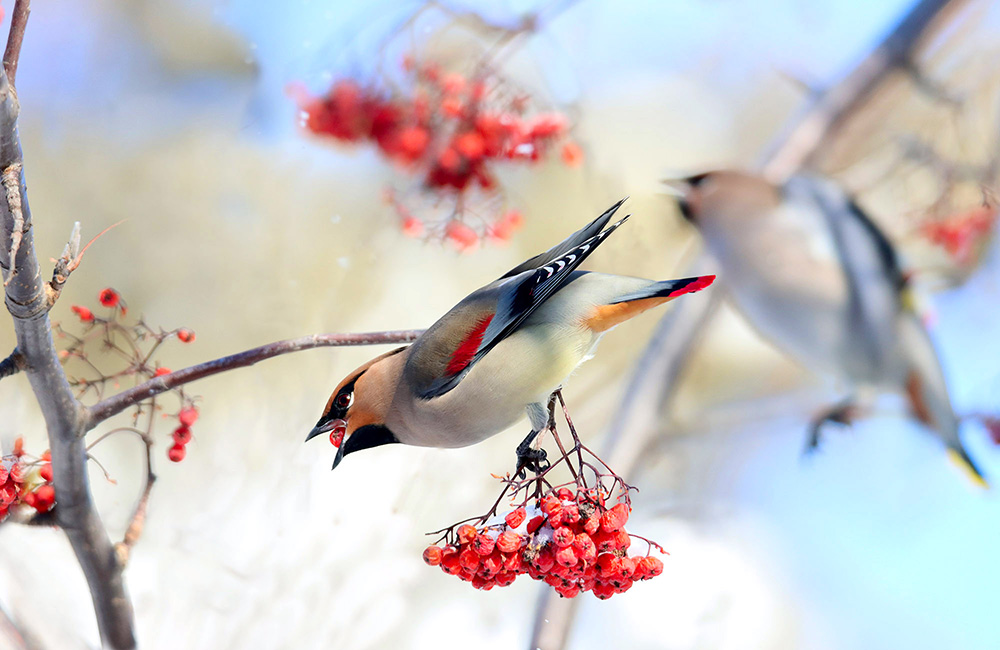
(47, 455)
(492, 564)
(585, 548)
(545, 561)
(614, 518)
(566, 556)
(608, 565)
(85, 315)
(515, 518)
(649, 567)
(466, 533)
(469, 559)
(603, 590)
(483, 544)
(176, 453)
(535, 524)
(182, 435)
(188, 416)
(470, 145)
(19, 446)
(17, 473)
(508, 541)
(46, 472)
(572, 154)
(433, 555)
(464, 237)
(413, 227)
(44, 498)
(109, 297)
(592, 524)
(7, 495)
(620, 540)
(562, 536)
(185, 335)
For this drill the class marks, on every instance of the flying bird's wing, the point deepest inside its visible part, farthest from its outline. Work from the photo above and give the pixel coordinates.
(444, 354)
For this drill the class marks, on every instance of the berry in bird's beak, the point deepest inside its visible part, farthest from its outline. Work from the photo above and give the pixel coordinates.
(335, 427)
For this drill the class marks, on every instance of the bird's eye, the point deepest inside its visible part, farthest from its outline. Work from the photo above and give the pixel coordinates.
(344, 400)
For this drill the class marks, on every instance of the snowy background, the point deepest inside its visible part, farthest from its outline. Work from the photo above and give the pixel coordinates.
(172, 114)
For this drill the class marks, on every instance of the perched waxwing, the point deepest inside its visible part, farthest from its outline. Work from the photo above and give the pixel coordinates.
(496, 356)
(815, 276)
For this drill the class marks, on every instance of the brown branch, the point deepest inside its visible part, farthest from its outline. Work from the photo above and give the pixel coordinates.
(12, 365)
(802, 143)
(18, 21)
(25, 297)
(118, 403)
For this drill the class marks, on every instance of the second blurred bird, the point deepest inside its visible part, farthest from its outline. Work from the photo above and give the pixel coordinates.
(815, 276)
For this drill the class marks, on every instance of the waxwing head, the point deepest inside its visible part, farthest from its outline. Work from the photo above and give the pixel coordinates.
(356, 411)
(725, 202)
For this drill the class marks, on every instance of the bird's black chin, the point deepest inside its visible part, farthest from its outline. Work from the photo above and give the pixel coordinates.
(366, 437)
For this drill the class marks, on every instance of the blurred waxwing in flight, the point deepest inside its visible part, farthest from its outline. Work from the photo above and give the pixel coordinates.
(496, 356)
(816, 277)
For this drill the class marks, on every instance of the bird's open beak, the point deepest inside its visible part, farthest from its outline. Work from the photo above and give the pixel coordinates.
(323, 427)
(338, 458)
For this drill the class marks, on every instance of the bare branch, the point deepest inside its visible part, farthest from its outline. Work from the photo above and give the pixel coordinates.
(118, 403)
(12, 365)
(26, 300)
(822, 119)
(18, 21)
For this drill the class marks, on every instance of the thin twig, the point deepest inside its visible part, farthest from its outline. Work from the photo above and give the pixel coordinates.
(18, 21)
(13, 364)
(118, 403)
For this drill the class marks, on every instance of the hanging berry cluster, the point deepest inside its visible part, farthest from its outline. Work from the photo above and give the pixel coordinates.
(451, 132)
(570, 535)
(132, 347)
(570, 540)
(25, 481)
(963, 235)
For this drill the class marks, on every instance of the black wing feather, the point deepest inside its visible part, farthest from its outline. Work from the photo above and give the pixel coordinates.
(529, 293)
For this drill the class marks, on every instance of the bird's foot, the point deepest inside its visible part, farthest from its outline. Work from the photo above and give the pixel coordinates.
(535, 460)
(842, 415)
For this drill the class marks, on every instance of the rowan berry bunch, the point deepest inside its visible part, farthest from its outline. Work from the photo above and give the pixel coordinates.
(25, 481)
(111, 350)
(451, 132)
(963, 235)
(571, 536)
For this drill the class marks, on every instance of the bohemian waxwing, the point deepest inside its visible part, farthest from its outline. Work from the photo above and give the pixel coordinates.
(816, 277)
(496, 356)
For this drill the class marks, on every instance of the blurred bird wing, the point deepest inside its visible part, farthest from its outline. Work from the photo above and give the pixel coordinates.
(566, 245)
(446, 353)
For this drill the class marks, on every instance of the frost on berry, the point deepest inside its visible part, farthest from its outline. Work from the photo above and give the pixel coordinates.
(571, 536)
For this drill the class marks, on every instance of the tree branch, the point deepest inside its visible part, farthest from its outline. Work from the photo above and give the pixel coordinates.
(12, 365)
(18, 21)
(118, 403)
(25, 298)
(820, 121)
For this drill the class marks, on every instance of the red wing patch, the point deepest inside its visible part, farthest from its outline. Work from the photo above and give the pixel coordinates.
(467, 348)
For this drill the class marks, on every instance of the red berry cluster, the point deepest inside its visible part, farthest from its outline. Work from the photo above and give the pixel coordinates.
(23, 483)
(573, 542)
(960, 234)
(182, 434)
(450, 131)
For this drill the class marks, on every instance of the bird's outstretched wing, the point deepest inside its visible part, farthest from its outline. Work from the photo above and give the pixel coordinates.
(443, 355)
(566, 245)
